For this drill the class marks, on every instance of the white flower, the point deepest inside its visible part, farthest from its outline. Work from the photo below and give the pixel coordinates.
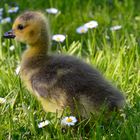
(6, 20)
(13, 9)
(81, 29)
(71, 120)
(107, 37)
(3, 43)
(17, 70)
(137, 18)
(44, 123)
(52, 10)
(1, 11)
(114, 28)
(59, 38)
(12, 48)
(2, 100)
(91, 24)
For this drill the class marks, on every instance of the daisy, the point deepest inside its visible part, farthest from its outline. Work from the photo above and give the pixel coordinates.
(12, 48)
(17, 70)
(81, 29)
(52, 10)
(114, 28)
(107, 37)
(91, 24)
(1, 11)
(13, 9)
(59, 38)
(2, 100)
(71, 120)
(6, 20)
(44, 123)
(3, 43)
(137, 18)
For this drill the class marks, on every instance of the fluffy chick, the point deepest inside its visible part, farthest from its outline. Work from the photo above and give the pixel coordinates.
(59, 81)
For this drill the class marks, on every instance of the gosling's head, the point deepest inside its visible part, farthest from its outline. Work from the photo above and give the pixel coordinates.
(30, 27)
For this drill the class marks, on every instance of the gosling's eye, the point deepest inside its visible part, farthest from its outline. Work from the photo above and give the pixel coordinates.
(20, 27)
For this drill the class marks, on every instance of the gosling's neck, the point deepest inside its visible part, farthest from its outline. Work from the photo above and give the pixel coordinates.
(39, 48)
(34, 56)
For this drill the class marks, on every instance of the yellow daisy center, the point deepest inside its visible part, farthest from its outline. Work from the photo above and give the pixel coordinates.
(58, 39)
(13, 8)
(69, 120)
(82, 30)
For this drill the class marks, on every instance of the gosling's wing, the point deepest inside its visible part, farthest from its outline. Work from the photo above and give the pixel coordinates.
(41, 84)
(40, 89)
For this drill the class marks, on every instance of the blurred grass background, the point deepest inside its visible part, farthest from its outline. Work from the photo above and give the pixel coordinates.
(115, 53)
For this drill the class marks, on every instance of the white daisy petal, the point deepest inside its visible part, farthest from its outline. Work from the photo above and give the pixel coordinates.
(69, 121)
(107, 37)
(137, 18)
(114, 28)
(12, 48)
(17, 70)
(52, 10)
(43, 124)
(6, 20)
(1, 12)
(81, 29)
(91, 24)
(3, 43)
(73, 118)
(13, 9)
(59, 38)
(1, 9)
(2, 100)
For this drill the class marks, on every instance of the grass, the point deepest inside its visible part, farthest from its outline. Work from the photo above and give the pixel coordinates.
(117, 57)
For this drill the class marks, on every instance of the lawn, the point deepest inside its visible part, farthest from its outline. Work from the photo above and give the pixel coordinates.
(113, 47)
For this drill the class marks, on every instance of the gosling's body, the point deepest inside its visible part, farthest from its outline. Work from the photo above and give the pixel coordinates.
(61, 81)
(57, 80)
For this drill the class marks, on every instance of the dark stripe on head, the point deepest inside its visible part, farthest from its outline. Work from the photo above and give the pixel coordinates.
(27, 16)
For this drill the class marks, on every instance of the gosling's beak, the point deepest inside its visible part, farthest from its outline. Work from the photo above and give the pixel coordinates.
(9, 34)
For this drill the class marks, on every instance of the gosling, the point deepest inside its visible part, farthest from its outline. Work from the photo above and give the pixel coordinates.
(60, 81)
